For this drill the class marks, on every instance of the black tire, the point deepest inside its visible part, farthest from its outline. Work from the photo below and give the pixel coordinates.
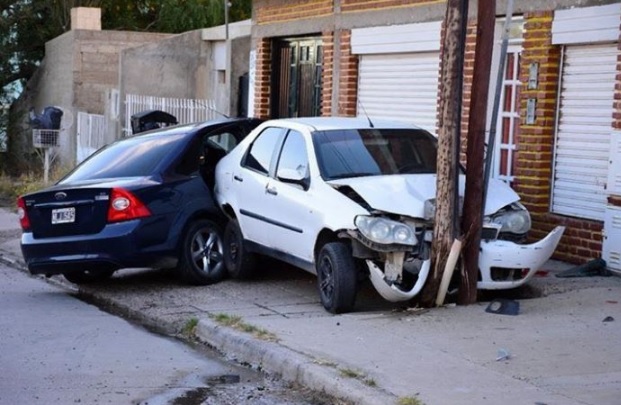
(337, 277)
(240, 263)
(201, 255)
(88, 276)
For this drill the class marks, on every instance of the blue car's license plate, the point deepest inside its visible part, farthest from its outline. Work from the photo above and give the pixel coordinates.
(63, 215)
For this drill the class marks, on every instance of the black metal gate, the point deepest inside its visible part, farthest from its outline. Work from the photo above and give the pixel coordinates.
(296, 80)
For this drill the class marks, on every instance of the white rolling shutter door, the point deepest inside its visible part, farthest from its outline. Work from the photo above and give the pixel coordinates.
(400, 86)
(584, 128)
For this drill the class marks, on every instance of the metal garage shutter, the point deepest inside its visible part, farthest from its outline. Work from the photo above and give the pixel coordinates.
(584, 127)
(402, 87)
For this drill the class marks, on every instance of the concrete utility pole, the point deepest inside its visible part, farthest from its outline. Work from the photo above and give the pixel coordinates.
(446, 216)
(473, 214)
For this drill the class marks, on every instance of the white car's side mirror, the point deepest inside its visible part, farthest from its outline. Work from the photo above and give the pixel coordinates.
(293, 176)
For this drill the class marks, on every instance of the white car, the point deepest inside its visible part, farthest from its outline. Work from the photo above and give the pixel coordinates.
(347, 198)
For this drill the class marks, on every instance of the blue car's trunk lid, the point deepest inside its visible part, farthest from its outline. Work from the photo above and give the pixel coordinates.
(64, 212)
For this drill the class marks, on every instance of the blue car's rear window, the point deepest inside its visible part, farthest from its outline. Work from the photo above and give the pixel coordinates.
(132, 157)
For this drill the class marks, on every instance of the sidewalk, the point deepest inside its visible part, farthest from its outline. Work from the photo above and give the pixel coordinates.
(560, 349)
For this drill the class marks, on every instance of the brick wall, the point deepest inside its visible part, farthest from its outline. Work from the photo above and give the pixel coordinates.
(293, 10)
(327, 85)
(366, 5)
(616, 123)
(582, 239)
(262, 79)
(348, 80)
(471, 32)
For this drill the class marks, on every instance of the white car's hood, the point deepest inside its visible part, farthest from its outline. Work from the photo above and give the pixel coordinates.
(406, 194)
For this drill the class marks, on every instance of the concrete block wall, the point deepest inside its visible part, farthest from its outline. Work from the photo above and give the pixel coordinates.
(175, 66)
(96, 64)
(85, 18)
(79, 69)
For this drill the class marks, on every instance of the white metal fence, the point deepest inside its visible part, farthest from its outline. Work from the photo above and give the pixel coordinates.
(91, 134)
(185, 110)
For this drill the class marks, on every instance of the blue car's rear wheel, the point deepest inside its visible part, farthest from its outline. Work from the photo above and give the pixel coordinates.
(201, 260)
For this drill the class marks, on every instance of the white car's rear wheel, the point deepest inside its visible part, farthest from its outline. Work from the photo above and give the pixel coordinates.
(239, 262)
(336, 277)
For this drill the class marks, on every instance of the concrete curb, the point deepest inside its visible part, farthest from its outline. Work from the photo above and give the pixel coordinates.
(9, 261)
(288, 364)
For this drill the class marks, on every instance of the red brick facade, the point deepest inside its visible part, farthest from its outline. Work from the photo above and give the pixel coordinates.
(263, 79)
(366, 5)
(348, 82)
(327, 85)
(471, 33)
(293, 10)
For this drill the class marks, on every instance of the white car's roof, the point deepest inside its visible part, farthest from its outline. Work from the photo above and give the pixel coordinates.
(329, 123)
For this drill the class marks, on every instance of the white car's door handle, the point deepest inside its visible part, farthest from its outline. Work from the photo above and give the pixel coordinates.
(237, 178)
(271, 190)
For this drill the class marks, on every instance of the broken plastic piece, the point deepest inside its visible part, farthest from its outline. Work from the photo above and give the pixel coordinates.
(608, 319)
(503, 354)
(503, 306)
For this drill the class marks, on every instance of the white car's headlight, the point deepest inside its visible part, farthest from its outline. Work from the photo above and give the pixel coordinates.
(385, 231)
(513, 221)
(430, 208)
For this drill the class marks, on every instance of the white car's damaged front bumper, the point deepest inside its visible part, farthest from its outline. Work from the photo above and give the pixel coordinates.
(391, 292)
(505, 265)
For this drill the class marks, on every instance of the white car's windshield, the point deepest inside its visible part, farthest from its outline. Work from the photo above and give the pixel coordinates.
(368, 152)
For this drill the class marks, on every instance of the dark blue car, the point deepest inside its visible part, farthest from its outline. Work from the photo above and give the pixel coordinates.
(143, 201)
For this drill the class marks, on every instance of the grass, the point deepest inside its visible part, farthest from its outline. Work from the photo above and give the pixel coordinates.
(351, 373)
(190, 327)
(409, 401)
(327, 363)
(237, 323)
(13, 187)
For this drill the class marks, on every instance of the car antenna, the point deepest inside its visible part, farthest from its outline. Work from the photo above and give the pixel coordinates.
(211, 108)
(366, 115)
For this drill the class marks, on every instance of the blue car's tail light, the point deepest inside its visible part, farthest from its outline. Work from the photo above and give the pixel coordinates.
(24, 221)
(125, 206)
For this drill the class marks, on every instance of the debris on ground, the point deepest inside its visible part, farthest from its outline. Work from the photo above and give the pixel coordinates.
(503, 354)
(596, 267)
(503, 306)
(608, 319)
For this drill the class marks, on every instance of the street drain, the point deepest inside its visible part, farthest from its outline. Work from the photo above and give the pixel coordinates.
(193, 397)
(224, 379)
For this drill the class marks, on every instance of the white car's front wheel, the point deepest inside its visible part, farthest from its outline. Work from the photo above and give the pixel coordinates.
(336, 277)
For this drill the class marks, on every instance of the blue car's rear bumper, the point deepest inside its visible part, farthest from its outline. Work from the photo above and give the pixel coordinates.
(113, 248)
